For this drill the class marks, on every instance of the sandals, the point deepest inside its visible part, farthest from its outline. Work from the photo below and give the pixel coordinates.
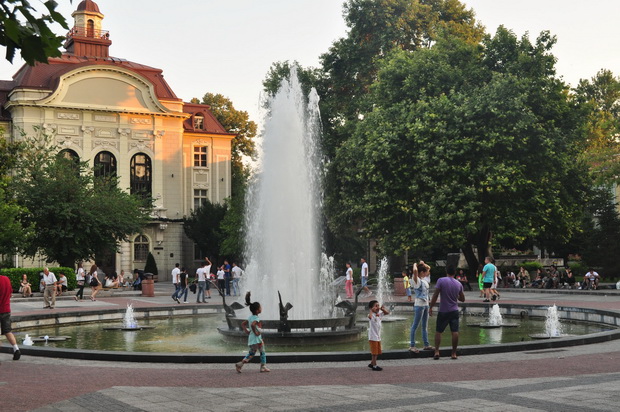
(264, 368)
(436, 357)
(413, 349)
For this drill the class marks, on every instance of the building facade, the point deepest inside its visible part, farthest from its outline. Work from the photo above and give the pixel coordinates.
(123, 118)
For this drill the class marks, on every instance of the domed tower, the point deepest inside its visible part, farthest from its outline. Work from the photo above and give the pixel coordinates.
(86, 37)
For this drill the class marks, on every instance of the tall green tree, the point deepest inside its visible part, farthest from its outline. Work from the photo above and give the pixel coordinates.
(203, 227)
(466, 142)
(27, 29)
(74, 214)
(600, 97)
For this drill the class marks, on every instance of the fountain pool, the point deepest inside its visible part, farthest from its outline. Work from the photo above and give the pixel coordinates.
(199, 335)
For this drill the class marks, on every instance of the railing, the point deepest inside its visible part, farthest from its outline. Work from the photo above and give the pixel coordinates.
(87, 32)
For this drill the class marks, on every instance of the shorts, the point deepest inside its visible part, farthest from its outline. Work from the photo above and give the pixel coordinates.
(447, 318)
(487, 285)
(408, 291)
(5, 323)
(375, 347)
(364, 281)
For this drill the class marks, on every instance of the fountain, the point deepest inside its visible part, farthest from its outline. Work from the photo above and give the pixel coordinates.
(283, 224)
(495, 320)
(553, 327)
(383, 283)
(129, 322)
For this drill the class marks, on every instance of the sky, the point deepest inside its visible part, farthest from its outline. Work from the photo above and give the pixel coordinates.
(228, 46)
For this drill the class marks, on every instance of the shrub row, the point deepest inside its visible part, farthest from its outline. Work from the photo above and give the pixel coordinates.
(15, 275)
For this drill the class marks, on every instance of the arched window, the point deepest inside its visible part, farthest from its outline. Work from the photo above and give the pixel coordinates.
(90, 28)
(72, 158)
(140, 179)
(141, 248)
(105, 164)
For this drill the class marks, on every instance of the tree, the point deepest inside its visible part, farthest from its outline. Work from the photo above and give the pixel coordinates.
(75, 215)
(375, 28)
(32, 37)
(600, 98)
(151, 265)
(466, 143)
(203, 227)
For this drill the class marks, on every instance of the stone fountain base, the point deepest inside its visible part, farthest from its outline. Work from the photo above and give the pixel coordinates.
(306, 331)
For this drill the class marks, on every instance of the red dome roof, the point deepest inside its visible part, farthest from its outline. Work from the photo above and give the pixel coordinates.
(88, 5)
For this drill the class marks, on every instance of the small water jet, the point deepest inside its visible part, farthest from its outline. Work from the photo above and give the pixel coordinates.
(553, 327)
(495, 320)
(129, 321)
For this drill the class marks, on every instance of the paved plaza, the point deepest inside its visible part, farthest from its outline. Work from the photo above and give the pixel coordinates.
(581, 378)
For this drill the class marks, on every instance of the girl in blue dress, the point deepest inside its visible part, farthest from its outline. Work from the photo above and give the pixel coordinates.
(253, 328)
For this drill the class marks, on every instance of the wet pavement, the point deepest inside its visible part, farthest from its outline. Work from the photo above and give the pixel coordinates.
(579, 378)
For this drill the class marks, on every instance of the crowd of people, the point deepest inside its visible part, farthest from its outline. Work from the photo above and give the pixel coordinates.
(225, 279)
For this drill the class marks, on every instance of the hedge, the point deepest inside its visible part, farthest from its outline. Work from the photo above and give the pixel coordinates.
(15, 275)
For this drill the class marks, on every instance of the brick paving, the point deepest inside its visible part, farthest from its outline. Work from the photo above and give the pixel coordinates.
(581, 378)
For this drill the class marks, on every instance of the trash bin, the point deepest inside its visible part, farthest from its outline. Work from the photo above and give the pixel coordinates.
(148, 285)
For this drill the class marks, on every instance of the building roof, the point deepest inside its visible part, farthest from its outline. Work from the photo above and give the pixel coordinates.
(210, 124)
(46, 76)
(88, 5)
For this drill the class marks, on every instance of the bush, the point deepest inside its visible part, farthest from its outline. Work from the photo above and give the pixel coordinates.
(151, 265)
(532, 266)
(15, 275)
(578, 268)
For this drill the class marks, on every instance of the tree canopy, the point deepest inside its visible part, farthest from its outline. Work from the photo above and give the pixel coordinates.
(24, 28)
(75, 215)
(465, 142)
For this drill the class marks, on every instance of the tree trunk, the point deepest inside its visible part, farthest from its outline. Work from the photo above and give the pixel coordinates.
(471, 259)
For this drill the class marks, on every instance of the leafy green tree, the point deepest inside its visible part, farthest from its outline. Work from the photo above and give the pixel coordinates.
(308, 77)
(75, 215)
(600, 97)
(465, 143)
(24, 28)
(203, 227)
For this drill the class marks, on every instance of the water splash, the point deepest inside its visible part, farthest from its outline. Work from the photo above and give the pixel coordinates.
(283, 246)
(129, 321)
(553, 328)
(495, 316)
(383, 281)
(27, 341)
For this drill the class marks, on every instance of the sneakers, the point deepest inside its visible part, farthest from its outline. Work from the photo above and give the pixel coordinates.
(238, 366)
(377, 368)
(176, 299)
(264, 368)
(486, 300)
(370, 365)
(17, 354)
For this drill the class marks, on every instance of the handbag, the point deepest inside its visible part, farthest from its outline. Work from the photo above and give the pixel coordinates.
(192, 287)
(21, 289)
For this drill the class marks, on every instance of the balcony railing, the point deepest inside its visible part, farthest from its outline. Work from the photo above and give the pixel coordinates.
(86, 32)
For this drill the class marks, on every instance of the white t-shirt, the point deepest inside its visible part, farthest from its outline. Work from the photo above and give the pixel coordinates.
(237, 272)
(220, 274)
(175, 275)
(202, 273)
(49, 279)
(80, 274)
(365, 269)
(374, 326)
(349, 274)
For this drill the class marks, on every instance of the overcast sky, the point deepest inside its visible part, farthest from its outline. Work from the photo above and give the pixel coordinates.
(227, 46)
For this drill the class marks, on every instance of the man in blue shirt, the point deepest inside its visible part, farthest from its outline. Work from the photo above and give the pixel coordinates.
(488, 276)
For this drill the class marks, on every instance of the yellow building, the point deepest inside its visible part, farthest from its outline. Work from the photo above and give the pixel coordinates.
(123, 118)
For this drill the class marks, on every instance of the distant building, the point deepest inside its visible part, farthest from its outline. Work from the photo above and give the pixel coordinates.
(123, 118)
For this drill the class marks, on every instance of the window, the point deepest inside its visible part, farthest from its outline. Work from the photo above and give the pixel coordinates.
(90, 28)
(69, 155)
(200, 156)
(140, 178)
(105, 164)
(199, 122)
(200, 198)
(140, 248)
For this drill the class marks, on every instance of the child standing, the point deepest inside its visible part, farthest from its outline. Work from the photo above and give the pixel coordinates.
(255, 338)
(348, 286)
(407, 285)
(375, 317)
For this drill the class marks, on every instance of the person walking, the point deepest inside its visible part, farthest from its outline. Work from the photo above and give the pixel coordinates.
(450, 291)
(5, 315)
(49, 292)
(95, 283)
(81, 280)
(421, 285)
(488, 277)
(176, 282)
(364, 278)
(203, 274)
(183, 286)
(253, 328)
(237, 272)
